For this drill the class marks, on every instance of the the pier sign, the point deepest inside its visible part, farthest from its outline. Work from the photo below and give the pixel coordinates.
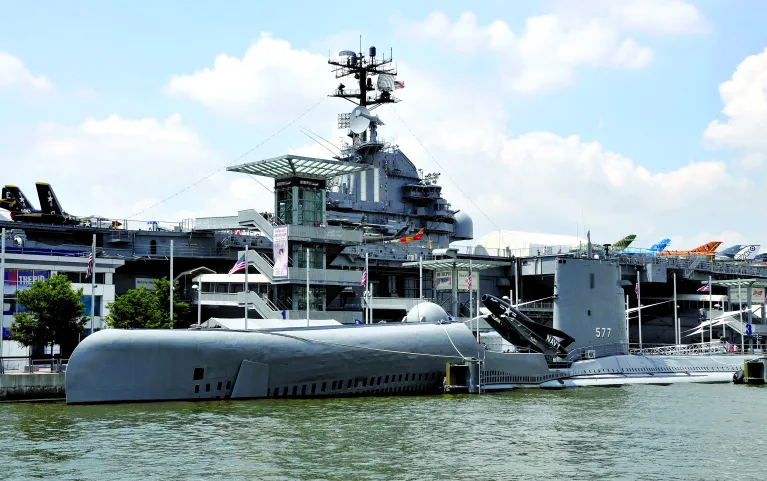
(444, 281)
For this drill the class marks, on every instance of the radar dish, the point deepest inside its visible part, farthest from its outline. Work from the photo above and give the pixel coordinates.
(346, 53)
(359, 120)
(385, 83)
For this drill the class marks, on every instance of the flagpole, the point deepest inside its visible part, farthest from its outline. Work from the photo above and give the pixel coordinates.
(639, 308)
(308, 254)
(171, 285)
(93, 281)
(468, 282)
(677, 330)
(710, 313)
(247, 291)
(420, 276)
(740, 308)
(2, 296)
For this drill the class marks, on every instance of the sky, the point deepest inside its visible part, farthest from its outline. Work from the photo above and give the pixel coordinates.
(641, 116)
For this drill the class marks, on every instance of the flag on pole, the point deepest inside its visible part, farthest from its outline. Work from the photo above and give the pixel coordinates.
(399, 85)
(239, 266)
(90, 265)
(364, 277)
(468, 282)
(636, 290)
(705, 288)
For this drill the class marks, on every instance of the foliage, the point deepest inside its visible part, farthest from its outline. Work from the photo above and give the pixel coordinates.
(54, 313)
(145, 309)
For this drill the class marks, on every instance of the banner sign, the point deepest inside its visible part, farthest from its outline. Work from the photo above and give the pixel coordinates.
(299, 182)
(144, 282)
(280, 251)
(757, 295)
(18, 280)
(444, 281)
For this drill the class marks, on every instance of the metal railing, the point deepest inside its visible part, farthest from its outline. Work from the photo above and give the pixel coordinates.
(26, 364)
(596, 351)
(697, 349)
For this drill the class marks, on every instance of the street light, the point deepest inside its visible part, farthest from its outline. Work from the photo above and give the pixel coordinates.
(198, 288)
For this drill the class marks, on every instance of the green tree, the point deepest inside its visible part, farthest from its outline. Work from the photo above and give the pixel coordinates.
(136, 309)
(162, 294)
(54, 314)
(145, 309)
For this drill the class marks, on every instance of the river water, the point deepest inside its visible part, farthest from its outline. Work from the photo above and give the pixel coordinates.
(682, 431)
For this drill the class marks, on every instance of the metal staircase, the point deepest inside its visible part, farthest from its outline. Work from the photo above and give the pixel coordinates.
(251, 218)
(255, 301)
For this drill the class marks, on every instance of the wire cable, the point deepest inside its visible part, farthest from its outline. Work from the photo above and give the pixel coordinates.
(443, 169)
(285, 127)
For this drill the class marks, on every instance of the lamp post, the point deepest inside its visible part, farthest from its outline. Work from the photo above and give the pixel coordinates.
(198, 288)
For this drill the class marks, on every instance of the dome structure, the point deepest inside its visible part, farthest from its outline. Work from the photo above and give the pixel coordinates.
(463, 227)
(426, 312)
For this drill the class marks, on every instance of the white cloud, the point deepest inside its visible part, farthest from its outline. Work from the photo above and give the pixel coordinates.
(116, 167)
(546, 52)
(13, 73)
(745, 107)
(272, 83)
(536, 181)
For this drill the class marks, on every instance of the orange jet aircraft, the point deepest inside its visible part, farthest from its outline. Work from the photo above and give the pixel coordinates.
(708, 249)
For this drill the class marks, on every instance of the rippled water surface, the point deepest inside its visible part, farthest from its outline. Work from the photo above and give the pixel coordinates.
(636, 432)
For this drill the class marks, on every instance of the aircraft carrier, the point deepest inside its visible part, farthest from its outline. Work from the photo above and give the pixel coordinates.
(368, 205)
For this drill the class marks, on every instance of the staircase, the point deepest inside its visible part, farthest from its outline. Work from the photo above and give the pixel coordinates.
(251, 218)
(263, 307)
(262, 263)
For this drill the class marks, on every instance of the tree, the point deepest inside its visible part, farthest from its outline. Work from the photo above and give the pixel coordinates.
(54, 314)
(162, 293)
(145, 309)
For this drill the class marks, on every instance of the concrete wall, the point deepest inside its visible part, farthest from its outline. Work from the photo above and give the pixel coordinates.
(31, 386)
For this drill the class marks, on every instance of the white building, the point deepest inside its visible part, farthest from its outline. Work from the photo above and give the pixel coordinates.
(24, 266)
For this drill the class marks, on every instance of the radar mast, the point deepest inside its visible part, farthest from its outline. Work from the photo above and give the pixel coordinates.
(366, 96)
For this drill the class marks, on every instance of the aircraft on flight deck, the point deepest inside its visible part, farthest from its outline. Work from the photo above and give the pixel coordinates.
(652, 251)
(22, 211)
(707, 249)
(418, 235)
(738, 252)
(620, 245)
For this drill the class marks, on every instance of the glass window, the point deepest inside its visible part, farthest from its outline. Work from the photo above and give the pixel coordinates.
(284, 205)
(316, 261)
(317, 295)
(87, 302)
(310, 207)
(153, 246)
(73, 277)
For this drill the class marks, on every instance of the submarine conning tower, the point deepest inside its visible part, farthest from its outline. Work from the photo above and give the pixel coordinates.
(589, 306)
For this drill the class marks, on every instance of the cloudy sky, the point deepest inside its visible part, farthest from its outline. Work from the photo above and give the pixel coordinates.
(638, 116)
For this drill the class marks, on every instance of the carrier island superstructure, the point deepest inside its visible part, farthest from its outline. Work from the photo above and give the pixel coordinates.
(332, 212)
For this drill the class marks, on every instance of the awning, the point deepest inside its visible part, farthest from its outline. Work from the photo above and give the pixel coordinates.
(298, 166)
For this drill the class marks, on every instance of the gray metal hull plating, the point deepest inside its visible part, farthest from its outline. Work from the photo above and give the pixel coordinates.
(154, 365)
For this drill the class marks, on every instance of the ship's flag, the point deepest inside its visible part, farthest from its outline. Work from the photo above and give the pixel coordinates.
(364, 277)
(239, 266)
(705, 288)
(399, 85)
(90, 265)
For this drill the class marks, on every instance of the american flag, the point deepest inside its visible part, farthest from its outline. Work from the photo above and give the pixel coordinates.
(705, 288)
(239, 266)
(364, 278)
(468, 282)
(399, 85)
(90, 265)
(636, 289)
